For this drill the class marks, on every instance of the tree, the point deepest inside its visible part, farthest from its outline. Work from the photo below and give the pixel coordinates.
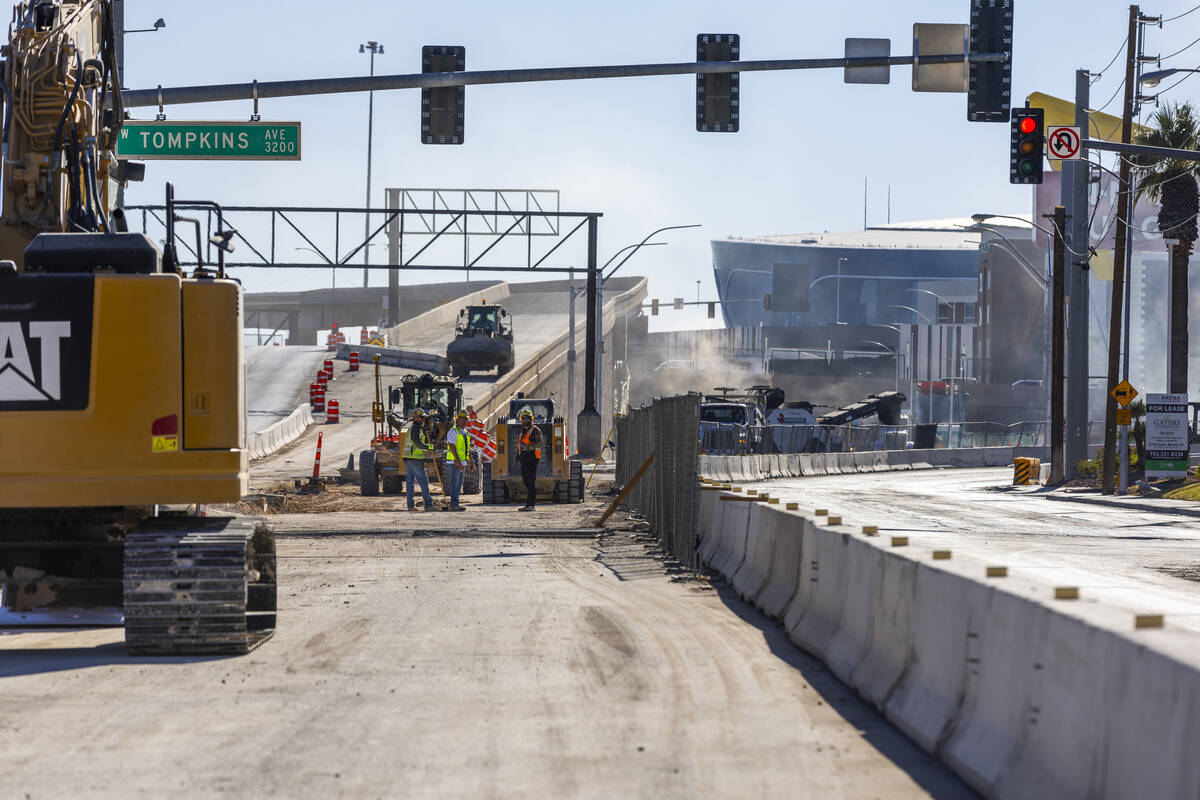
(1172, 183)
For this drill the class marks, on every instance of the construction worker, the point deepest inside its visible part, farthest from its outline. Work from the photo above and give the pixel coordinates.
(529, 453)
(458, 457)
(416, 447)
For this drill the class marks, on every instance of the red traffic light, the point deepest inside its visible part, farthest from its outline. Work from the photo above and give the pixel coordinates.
(1028, 125)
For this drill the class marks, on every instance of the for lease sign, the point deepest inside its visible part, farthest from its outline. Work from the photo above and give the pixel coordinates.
(1166, 435)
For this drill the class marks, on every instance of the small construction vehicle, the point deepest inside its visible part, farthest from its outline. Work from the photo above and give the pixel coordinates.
(559, 477)
(483, 340)
(440, 397)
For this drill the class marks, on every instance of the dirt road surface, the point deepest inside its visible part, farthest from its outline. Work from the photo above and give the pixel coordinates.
(482, 654)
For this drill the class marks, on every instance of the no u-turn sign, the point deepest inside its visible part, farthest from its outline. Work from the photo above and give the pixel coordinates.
(1063, 143)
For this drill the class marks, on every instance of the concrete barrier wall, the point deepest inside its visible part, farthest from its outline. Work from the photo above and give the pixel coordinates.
(763, 466)
(1021, 695)
(544, 365)
(283, 432)
(394, 357)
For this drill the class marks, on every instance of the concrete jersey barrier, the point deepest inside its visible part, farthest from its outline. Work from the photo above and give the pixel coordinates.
(761, 466)
(394, 357)
(1020, 696)
(275, 437)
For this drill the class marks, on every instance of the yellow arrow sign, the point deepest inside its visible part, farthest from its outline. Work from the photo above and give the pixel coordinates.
(1124, 393)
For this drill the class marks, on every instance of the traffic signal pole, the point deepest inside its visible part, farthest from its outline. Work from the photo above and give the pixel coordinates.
(1075, 201)
(1057, 347)
(180, 95)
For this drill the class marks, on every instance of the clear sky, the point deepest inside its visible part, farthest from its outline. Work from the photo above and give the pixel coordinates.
(626, 147)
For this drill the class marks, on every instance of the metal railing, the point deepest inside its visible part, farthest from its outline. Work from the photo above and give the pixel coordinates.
(666, 494)
(728, 439)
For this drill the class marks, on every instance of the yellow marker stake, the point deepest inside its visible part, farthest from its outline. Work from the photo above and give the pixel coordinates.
(793, 506)
(821, 512)
(997, 572)
(1148, 621)
(870, 530)
(835, 520)
(899, 541)
(1066, 592)
(941, 555)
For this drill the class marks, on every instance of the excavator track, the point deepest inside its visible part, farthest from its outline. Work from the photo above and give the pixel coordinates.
(199, 586)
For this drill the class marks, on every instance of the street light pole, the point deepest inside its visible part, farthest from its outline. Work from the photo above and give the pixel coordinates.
(928, 355)
(599, 331)
(373, 47)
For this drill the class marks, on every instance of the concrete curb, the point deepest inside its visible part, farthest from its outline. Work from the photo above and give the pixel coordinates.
(1021, 694)
(1150, 506)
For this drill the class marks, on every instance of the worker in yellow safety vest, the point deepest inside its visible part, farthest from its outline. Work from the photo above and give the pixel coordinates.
(458, 457)
(416, 447)
(529, 453)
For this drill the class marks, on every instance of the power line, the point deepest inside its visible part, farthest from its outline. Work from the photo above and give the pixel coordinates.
(1120, 86)
(1177, 52)
(1116, 55)
(1184, 14)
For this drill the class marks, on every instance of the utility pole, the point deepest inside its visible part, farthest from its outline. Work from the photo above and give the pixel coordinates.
(1118, 283)
(1075, 200)
(1057, 347)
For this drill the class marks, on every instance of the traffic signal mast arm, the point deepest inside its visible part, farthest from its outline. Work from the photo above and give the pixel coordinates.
(142, 98)
(1141, 150)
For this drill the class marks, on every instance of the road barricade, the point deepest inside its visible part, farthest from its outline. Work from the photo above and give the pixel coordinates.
(332, 412)
(353, 367)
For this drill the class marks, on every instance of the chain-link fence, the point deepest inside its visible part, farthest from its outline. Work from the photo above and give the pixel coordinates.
(727, 439)
(665, 495)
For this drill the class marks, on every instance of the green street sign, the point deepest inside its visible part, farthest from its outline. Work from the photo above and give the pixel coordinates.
(189, 140)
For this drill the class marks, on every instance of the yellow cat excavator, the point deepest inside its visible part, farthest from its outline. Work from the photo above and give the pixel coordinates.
(121, 377)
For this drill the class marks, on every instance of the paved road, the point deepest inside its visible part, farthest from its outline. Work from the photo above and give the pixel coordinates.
(483, 664)
(536, 324)
(277, 380)
(1126, 558)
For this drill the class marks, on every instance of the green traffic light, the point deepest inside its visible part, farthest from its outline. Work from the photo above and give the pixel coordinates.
(1026, 166)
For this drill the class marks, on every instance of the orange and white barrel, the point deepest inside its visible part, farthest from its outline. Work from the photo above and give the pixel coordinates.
(331, 412)
(353, 361)
(316, 397)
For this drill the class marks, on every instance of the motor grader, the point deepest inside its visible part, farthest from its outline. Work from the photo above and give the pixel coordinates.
(440, 398)
(559, 477)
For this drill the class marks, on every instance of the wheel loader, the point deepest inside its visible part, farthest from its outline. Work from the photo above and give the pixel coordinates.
(483, 340)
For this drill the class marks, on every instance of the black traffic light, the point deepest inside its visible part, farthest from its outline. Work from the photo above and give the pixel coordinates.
(989, 84)
(767, 302)
(443, 108)
(712, 310)
(717, 93)
(654, 307)
(1028, 143)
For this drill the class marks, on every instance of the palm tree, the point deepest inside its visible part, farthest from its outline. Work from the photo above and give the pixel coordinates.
(1172, 182)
